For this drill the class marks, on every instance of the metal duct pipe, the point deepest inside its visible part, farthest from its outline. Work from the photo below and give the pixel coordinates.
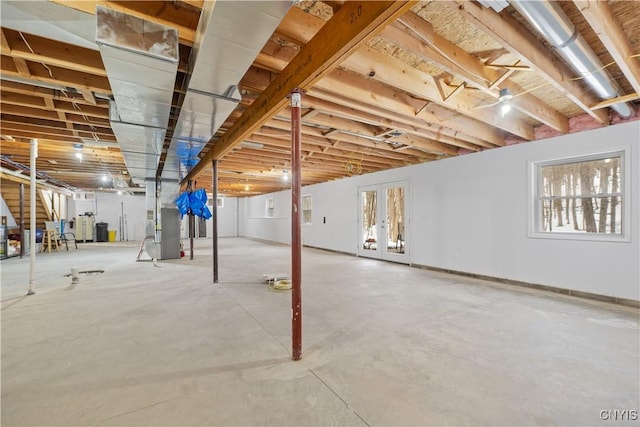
(223, 52)
(553, 24)
(141, 60)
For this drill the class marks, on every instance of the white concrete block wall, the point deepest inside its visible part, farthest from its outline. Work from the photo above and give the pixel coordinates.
(471, 213)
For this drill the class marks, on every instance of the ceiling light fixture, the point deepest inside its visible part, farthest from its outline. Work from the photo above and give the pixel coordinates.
(505, 95)
(504, 109)
(105, 178)
(504, 98)
(285, 175)
(79, 156)
(249, 144)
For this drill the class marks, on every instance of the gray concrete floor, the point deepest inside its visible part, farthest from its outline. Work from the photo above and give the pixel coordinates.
(384, 344)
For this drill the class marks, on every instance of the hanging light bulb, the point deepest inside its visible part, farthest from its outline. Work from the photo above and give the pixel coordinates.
(285, 175)
(246, 188)
(505, 108)
(105, 178)
(505, 97)
(79, 156)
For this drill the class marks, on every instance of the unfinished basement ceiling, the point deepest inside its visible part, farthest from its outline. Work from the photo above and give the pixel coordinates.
(422, 88)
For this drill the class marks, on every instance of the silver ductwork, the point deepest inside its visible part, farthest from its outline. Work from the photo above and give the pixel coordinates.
(229, 37)
(552, 23)
(141, 60)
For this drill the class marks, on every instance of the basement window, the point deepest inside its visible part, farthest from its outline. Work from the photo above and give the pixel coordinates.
(270, 208)
(307, 208)
(581, 198)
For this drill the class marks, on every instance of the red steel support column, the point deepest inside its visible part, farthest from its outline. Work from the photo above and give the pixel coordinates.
(296, 230)
(214, 164)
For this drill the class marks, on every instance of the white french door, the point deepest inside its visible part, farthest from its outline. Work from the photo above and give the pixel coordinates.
(383, 221)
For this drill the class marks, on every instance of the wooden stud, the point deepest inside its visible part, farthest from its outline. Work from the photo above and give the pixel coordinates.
(598, 14)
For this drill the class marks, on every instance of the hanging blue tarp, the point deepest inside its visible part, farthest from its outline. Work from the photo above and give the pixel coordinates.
(193, 202)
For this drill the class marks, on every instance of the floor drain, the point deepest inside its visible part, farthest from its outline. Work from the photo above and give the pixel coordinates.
(87, 272)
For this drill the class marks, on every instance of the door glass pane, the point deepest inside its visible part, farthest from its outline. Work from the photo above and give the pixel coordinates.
(395, 220)
(368, 232)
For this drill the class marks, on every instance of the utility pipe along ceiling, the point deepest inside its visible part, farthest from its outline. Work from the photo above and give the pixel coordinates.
(152, 91)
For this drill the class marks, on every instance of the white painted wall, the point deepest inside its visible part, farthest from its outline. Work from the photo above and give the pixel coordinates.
(227, 220)
(254, 222)
(107, 207)
(471, 213)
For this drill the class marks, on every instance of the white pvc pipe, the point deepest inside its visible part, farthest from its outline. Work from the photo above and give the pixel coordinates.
(32, 213)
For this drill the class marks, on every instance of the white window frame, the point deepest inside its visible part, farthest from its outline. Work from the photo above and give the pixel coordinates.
(303, 209)
(535, 220)
(270, 208)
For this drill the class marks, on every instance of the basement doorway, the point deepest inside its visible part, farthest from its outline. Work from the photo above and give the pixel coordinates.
(383, 220)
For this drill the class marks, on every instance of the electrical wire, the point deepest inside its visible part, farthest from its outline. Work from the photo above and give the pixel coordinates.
(33, 52)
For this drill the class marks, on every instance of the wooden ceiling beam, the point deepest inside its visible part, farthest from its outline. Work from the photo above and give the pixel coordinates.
(50, 105)
(377, 94)
(99, 129)
(4, 43)
(41, 114)
(299, 27)
(439, 134)
(507, 31)
(346, 140)
(59, 76)
(70, 96)
(64, 156)
(397, 73)
(333, 158)
(374, 158)
(609, 102)
(22, 67)
(37, 132)
(598, 14)
(33, 48)
(334, 4)
(370, 112)
(411, 140)
(354, 23)
(434, 48)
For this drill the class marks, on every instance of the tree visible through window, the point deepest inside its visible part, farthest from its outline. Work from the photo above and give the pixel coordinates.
(581, 195)
(307, 208)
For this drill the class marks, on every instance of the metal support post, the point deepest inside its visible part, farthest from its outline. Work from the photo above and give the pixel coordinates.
(214, 164)
(296, 230)
(32, 218)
